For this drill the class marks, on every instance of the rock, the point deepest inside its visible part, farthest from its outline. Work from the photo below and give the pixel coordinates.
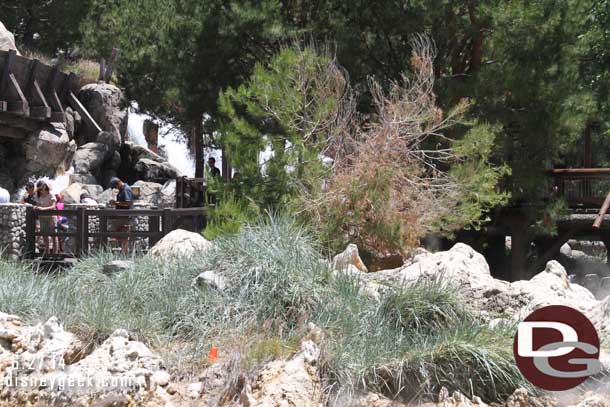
(349, 256)
(167, 195)
(521, 398)
(161, 378)
(591, 282)
(194, 390)
(150, 170)
(48, 151)
(292, 382)
(211, 280)
(72, 193)
(90, 157)
(180, 243)
(7, 39)
(117, 266)
(466, 269)
(566, 250)
(149, 192)
(109, 140)
(105, 104)
(83, 179)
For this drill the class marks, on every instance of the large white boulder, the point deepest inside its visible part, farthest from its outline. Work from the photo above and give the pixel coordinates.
(180, 243)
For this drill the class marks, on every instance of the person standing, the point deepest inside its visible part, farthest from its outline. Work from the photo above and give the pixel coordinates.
(124, 201)
(30, 194)
(46, 202)
(213, 170)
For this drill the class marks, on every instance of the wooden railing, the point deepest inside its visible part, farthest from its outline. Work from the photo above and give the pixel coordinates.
(582, 187)
(190, 192)
(83, 240)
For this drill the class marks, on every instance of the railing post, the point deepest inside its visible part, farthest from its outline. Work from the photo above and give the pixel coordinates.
(167, 222)
(103, 241)
(30, 233)
(80, 240)
(154, 226)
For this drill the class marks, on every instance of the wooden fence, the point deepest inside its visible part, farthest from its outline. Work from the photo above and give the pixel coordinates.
(190, 192)
(159, 223)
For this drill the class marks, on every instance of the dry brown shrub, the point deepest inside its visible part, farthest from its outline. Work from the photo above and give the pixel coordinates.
(390, 182)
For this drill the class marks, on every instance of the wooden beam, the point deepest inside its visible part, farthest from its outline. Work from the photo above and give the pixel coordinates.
(4, 81)
(76, 105)
(12, 132)
(20, 106)
(57, 110)
(39, 108)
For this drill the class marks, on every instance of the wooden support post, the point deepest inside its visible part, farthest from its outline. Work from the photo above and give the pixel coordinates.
(602, 212)
(82, 239)
(154, 225)
(39, 108)
(167, 221)
(30, 233)
(103, 241)
(57, 110)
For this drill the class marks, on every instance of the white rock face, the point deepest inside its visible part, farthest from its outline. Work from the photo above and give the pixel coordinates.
(167, 195)
(463, 267)
(349, 256)
(292, 382)
(180, 243)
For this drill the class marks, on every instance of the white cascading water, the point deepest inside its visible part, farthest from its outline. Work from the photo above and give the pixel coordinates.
(171, 139)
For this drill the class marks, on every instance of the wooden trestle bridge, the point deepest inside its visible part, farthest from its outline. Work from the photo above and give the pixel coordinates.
(33, 91)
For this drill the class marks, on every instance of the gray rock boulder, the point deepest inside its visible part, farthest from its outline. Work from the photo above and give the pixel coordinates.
(48, 151)
(106, 105)
(149, 192)
(167, 195)
(7, 39)
(210, 279)
(180, 243)
(116, 266)
(150, 170)
(89, 157)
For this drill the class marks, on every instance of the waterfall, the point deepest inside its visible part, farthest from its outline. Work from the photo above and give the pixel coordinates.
(171, 139)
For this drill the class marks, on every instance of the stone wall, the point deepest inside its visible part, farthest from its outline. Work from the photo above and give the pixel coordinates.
(12, 230)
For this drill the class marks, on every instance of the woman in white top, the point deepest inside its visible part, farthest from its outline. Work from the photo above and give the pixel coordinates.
(46, 202)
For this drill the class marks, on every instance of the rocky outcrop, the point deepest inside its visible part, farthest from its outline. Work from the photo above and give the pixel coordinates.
(292, 382)
(167, 195)
(72, 193)
(467, 270)
(46, 365)
(180, 243)
(106, 105)
(349, 258)
(150, 192)
(139, 163)
(48, 151)
(7, 39)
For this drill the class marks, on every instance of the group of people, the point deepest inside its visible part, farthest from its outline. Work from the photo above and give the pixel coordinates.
(39, 195)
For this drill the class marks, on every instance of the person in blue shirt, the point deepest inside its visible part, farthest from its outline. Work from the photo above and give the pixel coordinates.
(124, 201)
